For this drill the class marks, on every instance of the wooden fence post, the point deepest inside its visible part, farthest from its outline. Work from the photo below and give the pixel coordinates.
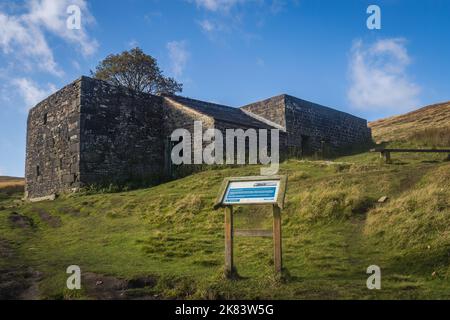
(229, 241)
(277, 246)
(386, 156)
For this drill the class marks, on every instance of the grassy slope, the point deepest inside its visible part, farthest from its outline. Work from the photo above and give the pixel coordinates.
(11, 188)
(8, 184)
(333, 229)
(424, 122)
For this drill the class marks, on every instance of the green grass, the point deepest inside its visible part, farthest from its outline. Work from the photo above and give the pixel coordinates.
(333, 229)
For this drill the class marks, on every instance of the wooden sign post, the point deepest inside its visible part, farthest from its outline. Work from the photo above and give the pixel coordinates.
(277, 249)
(229, 240)
(252, 191)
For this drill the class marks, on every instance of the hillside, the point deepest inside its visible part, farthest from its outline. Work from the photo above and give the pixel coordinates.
(6, 181)
(167, 241)
(429, 125)
(11, 187)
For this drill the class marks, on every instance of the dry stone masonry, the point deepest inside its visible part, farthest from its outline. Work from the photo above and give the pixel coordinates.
(93, 133)
(309, 126)
(53, 144)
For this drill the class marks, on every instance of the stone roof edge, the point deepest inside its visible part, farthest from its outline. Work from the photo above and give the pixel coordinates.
(181, 104)
(264, 120)
(184, 107)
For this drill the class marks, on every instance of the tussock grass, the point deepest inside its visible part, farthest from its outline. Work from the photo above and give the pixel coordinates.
(433, 137)
(10, 185)
(11, 191)
(332, 202)
(428, 126)
(333, 229)
(418, 218)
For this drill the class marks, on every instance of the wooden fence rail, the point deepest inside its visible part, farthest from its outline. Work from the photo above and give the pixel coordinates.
(386, 153)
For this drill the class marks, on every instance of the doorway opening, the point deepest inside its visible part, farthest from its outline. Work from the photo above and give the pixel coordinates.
(306, 145)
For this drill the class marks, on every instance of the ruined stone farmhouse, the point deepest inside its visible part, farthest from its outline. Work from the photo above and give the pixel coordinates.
(91, 133)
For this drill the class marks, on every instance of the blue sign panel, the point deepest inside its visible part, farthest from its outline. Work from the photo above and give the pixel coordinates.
(252, 192)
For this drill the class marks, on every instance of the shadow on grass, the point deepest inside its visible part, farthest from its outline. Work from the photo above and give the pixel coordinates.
(426, 262)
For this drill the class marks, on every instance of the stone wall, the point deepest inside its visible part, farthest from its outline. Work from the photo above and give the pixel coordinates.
(272, 109)
(93, 133)
(224, 125)
(322, 125)
(53, 136)
(121, 135)
(176, 116)
(311, 127)
(182, 112)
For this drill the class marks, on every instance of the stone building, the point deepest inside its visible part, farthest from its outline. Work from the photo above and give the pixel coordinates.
(309, 126)
(93, 133)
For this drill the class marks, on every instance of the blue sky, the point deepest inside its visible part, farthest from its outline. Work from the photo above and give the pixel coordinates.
(230, 51)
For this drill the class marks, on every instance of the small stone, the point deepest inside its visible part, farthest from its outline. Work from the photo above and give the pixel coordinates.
(98, 283)
(383, 199)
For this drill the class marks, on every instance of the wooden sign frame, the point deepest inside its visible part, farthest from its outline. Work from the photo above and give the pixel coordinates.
(277, 206)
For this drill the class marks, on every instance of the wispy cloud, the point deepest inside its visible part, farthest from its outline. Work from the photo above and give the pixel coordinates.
(152, 16)
(27, 43)
(207, 25)
(133, 43)
(24, 35)
(378, 77)
(76, 65)
(224, 18)
(277, 6)
(32, 93)
(218, 5)
(215, 28)
(179, 56)
(224, 5)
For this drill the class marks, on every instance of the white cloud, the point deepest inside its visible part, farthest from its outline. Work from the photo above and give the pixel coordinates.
(76, 65)
(26, 41)
(179, 56)
(207, 25)
(229, 18)
(273, 6)
(379, 79)
(214, 28)
(277, 6)
(133, 43)
(24, 35)
(31, 93)
(53, 15)
(217, 5)
(151, 16)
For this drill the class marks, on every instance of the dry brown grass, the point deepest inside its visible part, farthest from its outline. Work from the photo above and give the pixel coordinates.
(11, 181)
(10, 184)
(404, 127)
(437, 137)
